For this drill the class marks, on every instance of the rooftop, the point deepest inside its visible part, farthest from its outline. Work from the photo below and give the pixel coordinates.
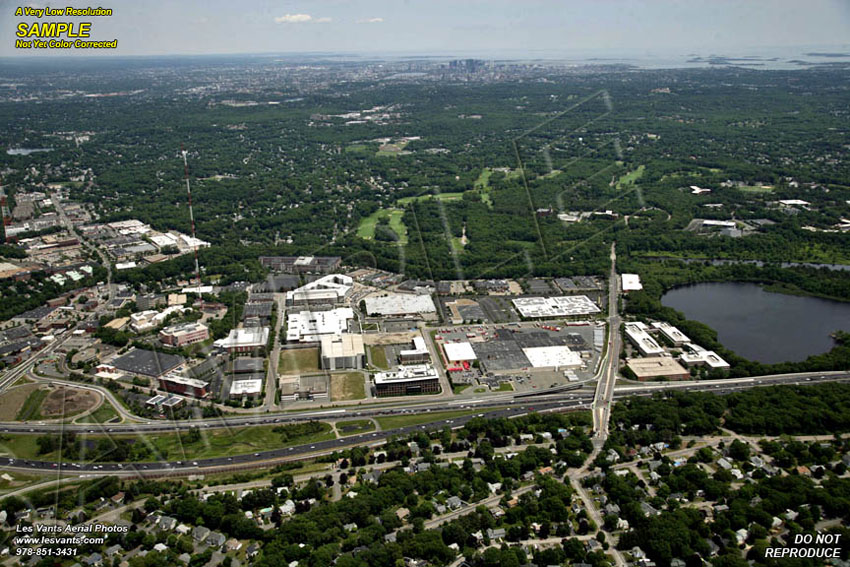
(335, 346)
(147, 362)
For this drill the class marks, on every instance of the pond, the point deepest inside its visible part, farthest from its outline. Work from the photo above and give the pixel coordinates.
(760, 325)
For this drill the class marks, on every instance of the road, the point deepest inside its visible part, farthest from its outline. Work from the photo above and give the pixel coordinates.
(515, 408)
(604, 395)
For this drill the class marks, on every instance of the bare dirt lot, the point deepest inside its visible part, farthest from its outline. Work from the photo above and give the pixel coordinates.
(65, 402)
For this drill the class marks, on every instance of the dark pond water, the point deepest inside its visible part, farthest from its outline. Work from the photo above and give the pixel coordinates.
(759, 325)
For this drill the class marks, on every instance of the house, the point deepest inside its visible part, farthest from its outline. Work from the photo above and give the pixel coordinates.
(648, 510)
(118, 499)
(93, 560)
(676, 562)
(216, 540)
(724, 464)
(160, 547)
(390, 537)
(167, 523)
(287, 508)
(402, 513)
(112, 550)
(182, 529)
(453, 503)
(232, 545)
(497, 534)
(350, 527)
(184, 558)
(741, 536)
(200, 533)
(252, 550)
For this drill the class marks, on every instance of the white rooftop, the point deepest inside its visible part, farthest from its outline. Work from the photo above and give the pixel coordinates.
(408, 373)
(240, 387)
(400, 304)
(637, 334)
(308, 326)
(253, 337)
(631, 282)
(562, 306)
(331, 286)
(457, 352)
(335, 346)
(547, 356)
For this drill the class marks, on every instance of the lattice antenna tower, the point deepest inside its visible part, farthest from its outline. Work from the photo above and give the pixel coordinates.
(191, 218)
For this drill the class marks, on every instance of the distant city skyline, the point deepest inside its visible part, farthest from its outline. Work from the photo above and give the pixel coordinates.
(193, 27)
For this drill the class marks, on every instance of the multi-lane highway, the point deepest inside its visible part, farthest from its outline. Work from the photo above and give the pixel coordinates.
(512, 408)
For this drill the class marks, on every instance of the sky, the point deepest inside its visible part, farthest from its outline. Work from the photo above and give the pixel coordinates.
(533, 27)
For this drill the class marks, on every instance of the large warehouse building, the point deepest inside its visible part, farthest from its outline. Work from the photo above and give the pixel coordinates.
(252, 340)
(332, 289)
(146, 363)
(399, 304)
(341, 352)
(563, 306)
(301, 264)
(413, 379)
(310, 326)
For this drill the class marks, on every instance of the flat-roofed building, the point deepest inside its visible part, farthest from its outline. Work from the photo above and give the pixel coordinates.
(418, 354)
(413, 379)
(552, 357)
(301, 264)
(294, 387)
(638, 335)
(184, 334)
(459, 352)
(179, 384)
(332, 289)
(657, 367)
(395, 304)
(241, 389)
(674, 335)
(309, 326)
(695, 355)
(563, 306)
(251, 340)
(145, 363)
(631, 282)
(343, 351)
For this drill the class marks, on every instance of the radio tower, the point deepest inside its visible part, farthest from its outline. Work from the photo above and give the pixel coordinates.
(192, 218)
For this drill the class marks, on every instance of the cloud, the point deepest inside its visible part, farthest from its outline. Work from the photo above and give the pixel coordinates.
(370, 21)
(293, 19)
(323, 20)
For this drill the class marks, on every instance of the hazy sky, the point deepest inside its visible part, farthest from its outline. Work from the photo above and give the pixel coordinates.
(153, 27)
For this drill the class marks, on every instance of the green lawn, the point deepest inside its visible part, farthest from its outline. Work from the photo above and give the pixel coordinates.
(505, 387)
(756, 189)
(366, 229)
(298, 361)
(101, 415)
(355, 426)
(631, 177)
(457, 389)
(438, 196)
(32, 405)
(212, 443)
(457, 245)
(348, 386)
(358, 149)
(378, 356)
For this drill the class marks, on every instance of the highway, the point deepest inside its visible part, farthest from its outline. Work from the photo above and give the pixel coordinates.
(558, 402)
